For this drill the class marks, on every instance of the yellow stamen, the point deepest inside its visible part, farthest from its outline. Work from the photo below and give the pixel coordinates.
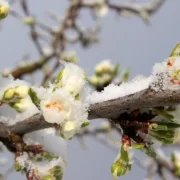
(54, 105)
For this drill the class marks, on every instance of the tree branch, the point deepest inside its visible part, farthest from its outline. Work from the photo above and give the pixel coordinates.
(29, 68)
(137, 8)
(107, 109)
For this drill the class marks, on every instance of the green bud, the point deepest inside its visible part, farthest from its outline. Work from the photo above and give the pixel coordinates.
(17, 166)
(28, 20)
(94, 80)
(117, 170)
(21, 91)
(4, 10)
(9, 94)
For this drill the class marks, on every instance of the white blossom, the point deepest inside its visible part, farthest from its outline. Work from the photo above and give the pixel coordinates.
(57, 106)
(72, 79)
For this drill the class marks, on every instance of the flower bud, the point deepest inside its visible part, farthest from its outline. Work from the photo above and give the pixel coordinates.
(94, 80)
(117, 170)
(3, 11)
(68, 129)
(17, 166)
(9, 94)
(22, 105)
(21, 91)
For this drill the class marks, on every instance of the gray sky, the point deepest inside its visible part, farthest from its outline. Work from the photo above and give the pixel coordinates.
(126, 41)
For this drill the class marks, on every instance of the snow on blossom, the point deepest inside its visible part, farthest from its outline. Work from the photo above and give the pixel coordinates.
(72, 78)
(166, 75)
(63, 102)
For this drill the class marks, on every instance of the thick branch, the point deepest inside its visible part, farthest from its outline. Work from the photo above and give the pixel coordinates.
(107, 109)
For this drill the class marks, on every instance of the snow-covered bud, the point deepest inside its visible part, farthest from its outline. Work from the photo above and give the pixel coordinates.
(9, 94)
(4, 9)
(21, 91)
(68, 129)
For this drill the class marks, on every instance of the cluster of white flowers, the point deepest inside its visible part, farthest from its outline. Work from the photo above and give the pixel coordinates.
(46, 170)
(16, 103)
(62, 103)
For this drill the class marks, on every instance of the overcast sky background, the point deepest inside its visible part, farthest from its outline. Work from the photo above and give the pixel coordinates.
(126, 41)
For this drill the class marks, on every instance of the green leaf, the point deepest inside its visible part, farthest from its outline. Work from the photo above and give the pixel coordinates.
(166, 137)
(116, 69)
(164, 113)
(176, 51)
(60, 75)
(159, 127)
(34, 97)
(170, 125)
(85, 124)
(125, 76)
